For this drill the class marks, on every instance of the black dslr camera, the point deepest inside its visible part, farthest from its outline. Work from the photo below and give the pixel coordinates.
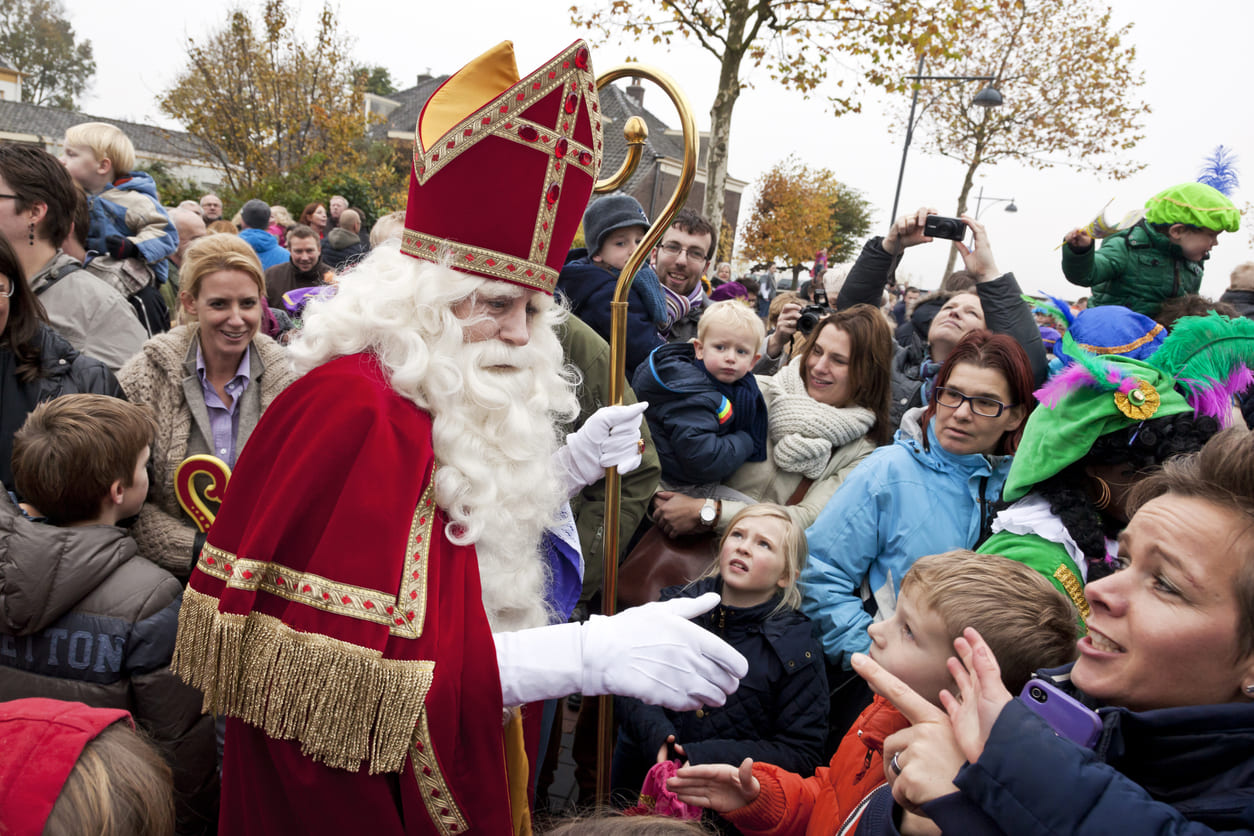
(812, 314)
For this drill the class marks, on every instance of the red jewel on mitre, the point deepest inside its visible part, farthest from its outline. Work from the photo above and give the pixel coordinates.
(503, 168)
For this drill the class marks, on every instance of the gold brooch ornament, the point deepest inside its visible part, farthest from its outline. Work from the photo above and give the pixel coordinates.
(1141, 403)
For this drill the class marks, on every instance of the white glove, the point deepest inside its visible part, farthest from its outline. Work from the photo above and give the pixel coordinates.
(653, 653)
(609, 438)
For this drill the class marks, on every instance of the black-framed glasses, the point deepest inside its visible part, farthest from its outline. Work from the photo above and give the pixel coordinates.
(986, 407)
(693, 254)
(14, 196)
(7, 286)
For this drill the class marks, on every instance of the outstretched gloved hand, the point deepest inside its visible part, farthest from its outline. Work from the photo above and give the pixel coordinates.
(609, 438)
(653, 653)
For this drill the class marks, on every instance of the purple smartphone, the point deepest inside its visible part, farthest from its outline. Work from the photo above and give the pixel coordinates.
(1065, 714)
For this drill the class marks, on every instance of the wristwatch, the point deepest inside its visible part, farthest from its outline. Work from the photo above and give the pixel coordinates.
(709, 513)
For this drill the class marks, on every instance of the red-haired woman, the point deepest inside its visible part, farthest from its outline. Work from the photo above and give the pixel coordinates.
(929, 492)
(315, 217)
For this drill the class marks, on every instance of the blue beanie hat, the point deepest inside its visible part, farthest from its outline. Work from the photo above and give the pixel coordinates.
(1113, 329)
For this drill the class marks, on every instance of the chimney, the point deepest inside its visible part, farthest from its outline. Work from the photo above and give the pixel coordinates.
(636, 93)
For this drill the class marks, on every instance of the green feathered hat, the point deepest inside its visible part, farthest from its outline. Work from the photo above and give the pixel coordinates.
(1201, 364)
(1196, 204)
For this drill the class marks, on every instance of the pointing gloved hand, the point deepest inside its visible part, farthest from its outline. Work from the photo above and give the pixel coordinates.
(653, 653)
(609, 438)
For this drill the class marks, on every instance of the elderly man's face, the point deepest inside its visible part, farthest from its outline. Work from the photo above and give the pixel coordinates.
(211, 205)
(338, 205)
(305, 253)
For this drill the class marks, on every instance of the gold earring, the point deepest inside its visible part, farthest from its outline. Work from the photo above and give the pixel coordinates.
(1103, 499)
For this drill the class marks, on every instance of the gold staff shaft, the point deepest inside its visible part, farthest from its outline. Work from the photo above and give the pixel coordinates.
(635, 132)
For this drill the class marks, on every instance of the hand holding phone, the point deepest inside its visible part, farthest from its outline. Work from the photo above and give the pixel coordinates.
(1066, 715)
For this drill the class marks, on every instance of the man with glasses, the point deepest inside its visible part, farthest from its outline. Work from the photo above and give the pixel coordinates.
(680, 260)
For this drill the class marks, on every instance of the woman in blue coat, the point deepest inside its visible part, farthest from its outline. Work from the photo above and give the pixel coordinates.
(929, 492)
(1168, 665)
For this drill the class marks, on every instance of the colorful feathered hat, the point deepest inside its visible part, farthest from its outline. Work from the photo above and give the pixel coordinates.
(503, 167)
(1199, 367)
(1109, 330)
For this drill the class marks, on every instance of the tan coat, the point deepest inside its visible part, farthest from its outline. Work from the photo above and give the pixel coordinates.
(163, 375)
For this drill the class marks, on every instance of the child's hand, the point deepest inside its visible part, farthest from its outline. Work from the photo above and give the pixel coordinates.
(121, 248)
(718, 786)
(664, 753)
(1078, 239)
(980, 688)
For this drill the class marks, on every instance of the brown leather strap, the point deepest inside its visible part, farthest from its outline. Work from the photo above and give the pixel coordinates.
(803, 488)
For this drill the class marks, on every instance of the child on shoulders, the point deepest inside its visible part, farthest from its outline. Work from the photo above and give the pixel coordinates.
(706, 412)
(613, 228)
(1027, 623)
(1158, 258)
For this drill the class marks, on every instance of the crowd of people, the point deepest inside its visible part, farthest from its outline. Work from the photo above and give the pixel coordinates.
(970, 561)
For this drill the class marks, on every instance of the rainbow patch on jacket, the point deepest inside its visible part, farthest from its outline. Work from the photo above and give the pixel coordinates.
(724, 411)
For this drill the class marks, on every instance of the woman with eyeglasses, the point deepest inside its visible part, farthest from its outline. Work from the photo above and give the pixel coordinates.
(36, 363)
(930, 491)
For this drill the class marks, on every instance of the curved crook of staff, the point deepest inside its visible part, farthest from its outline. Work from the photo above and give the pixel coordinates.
(635, 132)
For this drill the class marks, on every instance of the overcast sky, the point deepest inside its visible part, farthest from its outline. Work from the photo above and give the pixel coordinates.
(1195, 57)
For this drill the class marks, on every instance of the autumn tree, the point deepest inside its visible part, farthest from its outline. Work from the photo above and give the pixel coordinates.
(1071, 91)
(38, 40)
(795, 41)
(270, 105)
(851, 220)
(797, 212)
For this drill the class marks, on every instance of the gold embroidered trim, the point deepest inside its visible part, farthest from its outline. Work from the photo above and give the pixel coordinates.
(403, 611)
(497, 117)
(1126, 347)
(344, 703)
(1075, 589)
(481, 261)
(441, 805)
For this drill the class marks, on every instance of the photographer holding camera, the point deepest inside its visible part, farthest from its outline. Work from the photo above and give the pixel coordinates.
(995, 304)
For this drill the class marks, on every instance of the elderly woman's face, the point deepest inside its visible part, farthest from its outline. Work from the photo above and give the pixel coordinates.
(1163, 631)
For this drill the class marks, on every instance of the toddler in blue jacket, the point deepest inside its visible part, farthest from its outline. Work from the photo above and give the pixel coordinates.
(706, 412)
(127, 219)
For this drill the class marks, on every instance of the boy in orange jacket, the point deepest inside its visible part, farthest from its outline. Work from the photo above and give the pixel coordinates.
(1027, 623)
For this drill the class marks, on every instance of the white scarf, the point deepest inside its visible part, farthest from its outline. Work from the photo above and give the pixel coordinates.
(807, 432)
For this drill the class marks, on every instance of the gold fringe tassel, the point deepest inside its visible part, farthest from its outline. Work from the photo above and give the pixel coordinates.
(344, 703)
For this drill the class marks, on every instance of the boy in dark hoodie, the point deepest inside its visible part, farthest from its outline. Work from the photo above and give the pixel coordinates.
(613, 228)
(706, 413)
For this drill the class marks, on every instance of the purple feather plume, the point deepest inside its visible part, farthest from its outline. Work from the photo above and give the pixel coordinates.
(1214, 397)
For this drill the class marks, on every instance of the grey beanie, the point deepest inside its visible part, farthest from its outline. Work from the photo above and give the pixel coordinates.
(608, 214)
(255, 214)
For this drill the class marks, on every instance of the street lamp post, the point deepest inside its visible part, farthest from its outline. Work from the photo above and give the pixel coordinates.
(992, 201)
(988, 97)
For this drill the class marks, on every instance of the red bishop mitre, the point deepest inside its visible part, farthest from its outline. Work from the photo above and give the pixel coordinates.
(503, 168)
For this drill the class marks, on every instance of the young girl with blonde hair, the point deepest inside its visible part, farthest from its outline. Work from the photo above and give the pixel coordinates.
(780, 708)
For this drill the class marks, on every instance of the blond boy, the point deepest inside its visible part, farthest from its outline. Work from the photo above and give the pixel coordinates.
(1028, 625)
(127, 219)
(706, 412)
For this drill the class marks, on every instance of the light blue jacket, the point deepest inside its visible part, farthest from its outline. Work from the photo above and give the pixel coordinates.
(266, 246)
(899, 504)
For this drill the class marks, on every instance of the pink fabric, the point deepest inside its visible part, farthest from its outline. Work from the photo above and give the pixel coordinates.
(657, 800)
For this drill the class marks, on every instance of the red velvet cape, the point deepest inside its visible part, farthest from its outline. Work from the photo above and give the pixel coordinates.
(332, 619)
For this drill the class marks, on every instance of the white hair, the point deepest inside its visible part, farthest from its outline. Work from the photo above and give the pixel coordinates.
(495, 410)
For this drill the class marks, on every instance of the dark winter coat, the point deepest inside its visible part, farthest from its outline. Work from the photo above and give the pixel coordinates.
(1187, 770)
(589, 289)
(778, 714)
(63, 371)
(1242, 300)
(1139, 268)
(84, 618)
(691, 421)
(1005, 312)
(342, 248)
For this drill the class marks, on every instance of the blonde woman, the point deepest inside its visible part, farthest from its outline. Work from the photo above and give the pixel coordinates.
(208, 381)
